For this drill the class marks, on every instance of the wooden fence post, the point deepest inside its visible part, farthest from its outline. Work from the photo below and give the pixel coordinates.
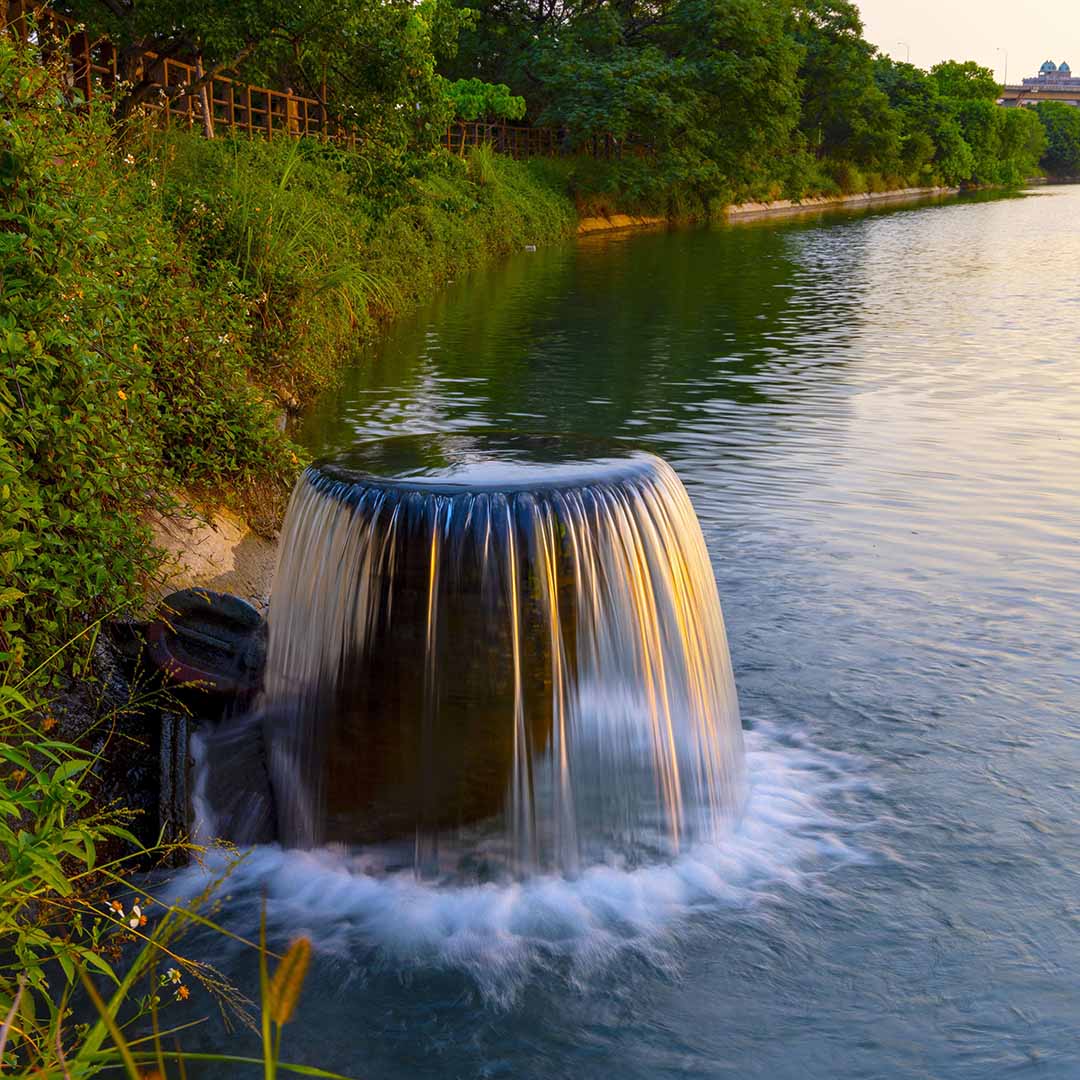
(81, 75)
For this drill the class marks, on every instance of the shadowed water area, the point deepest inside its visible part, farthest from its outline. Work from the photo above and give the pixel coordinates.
(877, 420)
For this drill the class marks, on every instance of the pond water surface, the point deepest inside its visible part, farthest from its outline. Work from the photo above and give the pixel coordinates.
(877, 418)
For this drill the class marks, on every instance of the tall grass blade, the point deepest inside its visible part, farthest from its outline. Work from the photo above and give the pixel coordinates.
(109, 1020)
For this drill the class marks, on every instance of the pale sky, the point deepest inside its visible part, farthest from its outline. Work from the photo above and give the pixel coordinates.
(1031, 30)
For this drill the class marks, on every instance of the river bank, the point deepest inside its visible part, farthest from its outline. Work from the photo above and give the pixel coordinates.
(214, 547)
(792, 207)
(259, 268)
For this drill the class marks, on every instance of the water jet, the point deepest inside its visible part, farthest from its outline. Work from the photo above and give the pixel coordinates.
(497, 652)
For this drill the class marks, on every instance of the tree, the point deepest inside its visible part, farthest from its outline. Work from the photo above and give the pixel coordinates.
(1023, 142)
(965, 81)
(372, 61)
(473, 98)
(845, 115)
(933, 147)
(1061, 123)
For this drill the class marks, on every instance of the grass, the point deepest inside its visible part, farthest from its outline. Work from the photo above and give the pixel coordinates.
(88, 960)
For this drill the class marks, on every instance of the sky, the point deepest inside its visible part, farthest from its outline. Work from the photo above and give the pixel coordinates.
(1031, 31)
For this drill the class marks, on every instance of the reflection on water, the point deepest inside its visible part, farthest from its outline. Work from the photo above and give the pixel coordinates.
(877, 418)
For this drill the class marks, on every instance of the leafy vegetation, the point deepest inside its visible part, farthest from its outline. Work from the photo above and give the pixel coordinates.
(121, 365)
(163, 297)
(474, 99)
(92, 979)
(733, 99)
(1062, 125)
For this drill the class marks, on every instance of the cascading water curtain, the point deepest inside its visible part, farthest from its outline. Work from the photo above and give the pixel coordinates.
(539, 668)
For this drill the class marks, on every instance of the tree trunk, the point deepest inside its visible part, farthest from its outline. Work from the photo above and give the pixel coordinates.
(205, 92)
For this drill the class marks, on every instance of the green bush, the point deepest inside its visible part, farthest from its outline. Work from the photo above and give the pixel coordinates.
(85, 957)
(124, 374)
(1061, 124)
(321, 260)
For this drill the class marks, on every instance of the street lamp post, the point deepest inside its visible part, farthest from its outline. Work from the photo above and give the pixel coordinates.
(908, 47)
(1005, 74)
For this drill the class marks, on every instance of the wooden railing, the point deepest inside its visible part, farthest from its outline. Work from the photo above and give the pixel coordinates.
(255, 111)
(239, 107)
(522, 140)
(517, 140)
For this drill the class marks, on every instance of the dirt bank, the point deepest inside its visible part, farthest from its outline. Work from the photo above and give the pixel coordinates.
(216, 549)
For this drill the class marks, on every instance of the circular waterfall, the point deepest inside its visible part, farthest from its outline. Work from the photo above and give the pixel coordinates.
(500, 654)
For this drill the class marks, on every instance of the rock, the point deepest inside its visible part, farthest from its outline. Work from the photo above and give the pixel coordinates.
(215, 550)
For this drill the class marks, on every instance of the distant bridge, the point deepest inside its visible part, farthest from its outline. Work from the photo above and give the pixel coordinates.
(1032, 95)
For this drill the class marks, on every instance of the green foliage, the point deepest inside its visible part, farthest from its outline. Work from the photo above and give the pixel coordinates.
(120, 369)
(1061, 123)
(161, 295)
(965, 81)
(1006, 144)
(694, 103)
(374, 63)
(327, 243)
(84, 957)
(474, 99)
(932, 147)
(845, 114)
(54, 916)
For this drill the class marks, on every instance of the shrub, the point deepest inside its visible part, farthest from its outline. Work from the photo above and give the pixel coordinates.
(125, 374)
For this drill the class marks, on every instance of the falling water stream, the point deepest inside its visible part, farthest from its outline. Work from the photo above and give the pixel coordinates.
(526, 632)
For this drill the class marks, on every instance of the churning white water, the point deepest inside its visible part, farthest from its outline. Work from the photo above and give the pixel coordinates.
(361, 906)
(499, 727)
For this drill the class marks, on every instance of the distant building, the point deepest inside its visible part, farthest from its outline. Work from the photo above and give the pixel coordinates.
(1055, 82)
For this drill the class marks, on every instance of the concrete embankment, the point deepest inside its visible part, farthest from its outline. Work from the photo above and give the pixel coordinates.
(781, 207)
(603, 223)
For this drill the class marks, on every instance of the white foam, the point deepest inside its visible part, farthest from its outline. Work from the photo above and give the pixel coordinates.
(792, 834)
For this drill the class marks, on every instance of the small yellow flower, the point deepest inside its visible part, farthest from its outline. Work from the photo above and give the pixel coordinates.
(121, 395)
(182, 993)
(116, 906)
(18, 776)
(48, 723)
(174, 975)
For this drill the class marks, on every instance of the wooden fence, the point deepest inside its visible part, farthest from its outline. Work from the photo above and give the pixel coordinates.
(522, 140)
(240, 108)
(255, 111)
(518, 140)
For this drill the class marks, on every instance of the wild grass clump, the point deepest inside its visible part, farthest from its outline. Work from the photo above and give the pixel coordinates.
(326, 247)
(92, 975)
